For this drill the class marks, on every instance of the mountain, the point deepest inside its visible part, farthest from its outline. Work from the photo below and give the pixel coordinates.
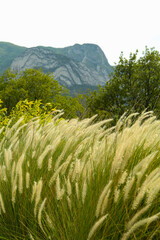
(76, 67)
(8, 52)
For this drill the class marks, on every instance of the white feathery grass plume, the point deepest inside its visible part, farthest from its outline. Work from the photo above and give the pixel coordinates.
(90, 169)
(59, 191)
(15, 135)
(105, 202)
(136, 216)
(36, 139)
(139, 224)
(66, 147)
(84, 191)
(15, 126)
(38, 194)
(43, 155)
(44, 140)
(96, 226)
(13, 171)
(3, 175)
(15, 144)
(33, 154)
(49, 221)
(101, 198)
(127, 188)
(50, 164)
(142, 166)
(153, 191)
(116, 194)
(145, 188)
(69, 203)
(2, 203)
(139, 197)
(96, 126)
(66, 164)
(118, 158)
(28, 140)
(27, 179)
(55, 135)
(20, 186)
(77, 190)
(69, 187)
(78, 150)
(56, 138)
(8, 157)
(129, 119)
(61, 169)
(120, 122)
(34, 188)
(14, 190)
(40, 214)
(77, 169)
(122, 178)
(153, 176)
(20, 162)
(77, 166)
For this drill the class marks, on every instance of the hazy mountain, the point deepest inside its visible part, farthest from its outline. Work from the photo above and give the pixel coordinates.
(76, 67)
(8, 52)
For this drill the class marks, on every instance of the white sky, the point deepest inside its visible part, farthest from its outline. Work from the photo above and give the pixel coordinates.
(115, 25)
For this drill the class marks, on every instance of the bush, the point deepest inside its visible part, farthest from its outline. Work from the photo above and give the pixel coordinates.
(80, 180)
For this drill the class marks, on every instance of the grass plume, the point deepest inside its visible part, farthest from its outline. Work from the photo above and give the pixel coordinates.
(76, 179)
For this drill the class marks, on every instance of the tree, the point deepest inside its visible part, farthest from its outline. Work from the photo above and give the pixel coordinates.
(33, 84)
(149, 78)
(11, 91)
(133, 86)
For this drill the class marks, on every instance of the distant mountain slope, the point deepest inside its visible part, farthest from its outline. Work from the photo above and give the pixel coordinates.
(8, 52)
(76, 67)
(89, 54)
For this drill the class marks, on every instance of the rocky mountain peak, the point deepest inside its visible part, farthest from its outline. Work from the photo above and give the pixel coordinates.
(77, 65)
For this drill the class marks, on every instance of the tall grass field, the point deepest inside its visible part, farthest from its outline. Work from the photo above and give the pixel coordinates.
(81, 180)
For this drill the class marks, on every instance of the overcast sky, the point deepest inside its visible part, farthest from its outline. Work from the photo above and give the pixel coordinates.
(115, 25)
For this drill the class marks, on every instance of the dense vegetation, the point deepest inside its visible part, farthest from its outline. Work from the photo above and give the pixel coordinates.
(34, 85)
(67, 180)
(134, 86)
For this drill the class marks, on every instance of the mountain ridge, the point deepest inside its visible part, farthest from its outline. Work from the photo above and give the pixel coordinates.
(72, 66)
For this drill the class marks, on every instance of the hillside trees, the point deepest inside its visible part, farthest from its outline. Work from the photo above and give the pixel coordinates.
(149, 77)
(33, 84)
(134, 86)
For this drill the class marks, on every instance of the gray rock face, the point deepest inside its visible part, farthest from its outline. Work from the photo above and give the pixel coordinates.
(76, 65)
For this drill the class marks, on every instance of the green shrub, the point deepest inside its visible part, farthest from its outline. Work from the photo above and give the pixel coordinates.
(70, 180)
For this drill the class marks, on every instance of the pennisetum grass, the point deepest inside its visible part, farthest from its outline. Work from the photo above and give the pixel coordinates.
(72, 179)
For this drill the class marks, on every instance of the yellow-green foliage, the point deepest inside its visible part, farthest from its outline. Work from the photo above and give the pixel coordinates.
(31, 109)
(75, 180)
(3, 115)
(27, 109)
